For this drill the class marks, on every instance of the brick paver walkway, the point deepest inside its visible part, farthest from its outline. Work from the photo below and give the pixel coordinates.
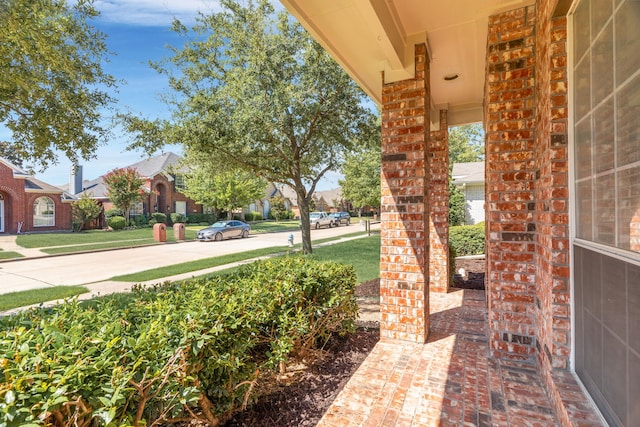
(450, 381)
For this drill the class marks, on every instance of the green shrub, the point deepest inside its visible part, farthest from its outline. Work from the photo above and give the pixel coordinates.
(144, 357)
(112, 212)
(176, 218)
(197, 218)
(253, 216)
(139, 221)
(159, 217)
(467, 239)
(117, 222)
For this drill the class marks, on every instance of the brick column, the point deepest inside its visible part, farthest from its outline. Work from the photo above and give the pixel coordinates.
(404, 252)
(510, 107)
(438, 155)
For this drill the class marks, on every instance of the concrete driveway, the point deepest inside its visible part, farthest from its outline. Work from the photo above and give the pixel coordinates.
(97, 267)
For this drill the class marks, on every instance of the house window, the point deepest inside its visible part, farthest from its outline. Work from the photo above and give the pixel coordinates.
(606, 77)
(44, 212)
(136, 209)
(179, 182)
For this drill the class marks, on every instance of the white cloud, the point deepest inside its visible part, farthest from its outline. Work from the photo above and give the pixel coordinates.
(153, 12)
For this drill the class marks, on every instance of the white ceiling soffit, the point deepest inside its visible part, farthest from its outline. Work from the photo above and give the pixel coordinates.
(369, 37)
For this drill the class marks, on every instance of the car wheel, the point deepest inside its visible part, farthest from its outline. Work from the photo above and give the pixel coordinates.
(245, 234)
(348, 223)
(218, 237)
(317, 225)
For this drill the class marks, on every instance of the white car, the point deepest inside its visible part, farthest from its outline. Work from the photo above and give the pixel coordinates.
(320, 219)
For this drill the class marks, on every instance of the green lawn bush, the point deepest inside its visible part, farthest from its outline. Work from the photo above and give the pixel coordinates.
(173, 350)
(158, 217)
(467, 239)
(253, 216)
(117, 222)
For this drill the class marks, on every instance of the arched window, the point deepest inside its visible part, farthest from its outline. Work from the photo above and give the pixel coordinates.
(44, 212)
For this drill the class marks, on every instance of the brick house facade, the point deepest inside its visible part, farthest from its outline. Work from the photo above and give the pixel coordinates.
(30, 205)
(558, 96)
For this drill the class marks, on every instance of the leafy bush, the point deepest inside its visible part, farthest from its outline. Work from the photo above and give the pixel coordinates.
(176, 218)
(139, 221)
(117, 222)
(173, 350)
(197, 218)
(253, 216)
(467, 239)
(284, 215)
(110, 213)
(159, 217)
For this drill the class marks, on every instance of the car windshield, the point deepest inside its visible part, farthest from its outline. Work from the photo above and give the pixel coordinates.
(219, 224)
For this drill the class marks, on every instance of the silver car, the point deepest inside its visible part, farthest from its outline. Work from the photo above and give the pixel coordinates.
(224, 230)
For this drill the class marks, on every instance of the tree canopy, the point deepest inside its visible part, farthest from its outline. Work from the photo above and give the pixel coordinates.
(53, 88)
(254, 89)
(361, 183)
(466, 144)
(213, 185)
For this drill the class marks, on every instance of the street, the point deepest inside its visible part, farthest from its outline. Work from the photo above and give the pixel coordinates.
(87, 268)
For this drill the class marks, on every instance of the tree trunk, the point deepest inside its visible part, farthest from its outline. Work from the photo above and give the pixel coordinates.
(303, 205)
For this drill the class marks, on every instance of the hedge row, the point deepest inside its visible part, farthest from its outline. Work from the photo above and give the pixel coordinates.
(172, 351)
(467, 239)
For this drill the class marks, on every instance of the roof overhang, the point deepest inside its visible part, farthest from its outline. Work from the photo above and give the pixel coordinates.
(372, 38)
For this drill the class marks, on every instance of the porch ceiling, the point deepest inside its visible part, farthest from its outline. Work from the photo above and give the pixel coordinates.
(367, 37)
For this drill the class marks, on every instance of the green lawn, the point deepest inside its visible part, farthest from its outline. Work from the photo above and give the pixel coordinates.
(9, 254)
(35, 296)
(201, 264)
(363, 254)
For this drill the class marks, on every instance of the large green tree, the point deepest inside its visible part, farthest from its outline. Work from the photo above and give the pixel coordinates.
(213, 185)
(53, 88)
(124, 189)
(361, 183)
(466, 144)
(253, 88)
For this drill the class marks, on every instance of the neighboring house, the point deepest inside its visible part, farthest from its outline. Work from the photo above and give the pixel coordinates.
(29, 205)
(469, 178)
(546, 78)
(264, 204)
(163, 182)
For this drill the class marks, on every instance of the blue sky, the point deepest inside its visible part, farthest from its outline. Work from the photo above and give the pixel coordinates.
(137, 32)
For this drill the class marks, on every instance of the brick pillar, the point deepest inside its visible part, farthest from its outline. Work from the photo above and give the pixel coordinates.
(438, 156)
(510, 177)
(404, 252)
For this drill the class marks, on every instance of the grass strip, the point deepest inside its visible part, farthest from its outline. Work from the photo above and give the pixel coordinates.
(10, 255)
(98, 246)
(35, 296)
(202, 264)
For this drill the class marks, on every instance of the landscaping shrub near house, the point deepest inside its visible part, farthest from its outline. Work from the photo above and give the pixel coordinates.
(467, 239)
(253, 216)
(172, 351)
(117, 222)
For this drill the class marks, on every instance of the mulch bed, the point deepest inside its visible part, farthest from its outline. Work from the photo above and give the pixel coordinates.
(308, 394)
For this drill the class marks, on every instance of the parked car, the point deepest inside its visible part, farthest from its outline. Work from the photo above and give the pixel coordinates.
(341, 218)
(224, 230)
(320, 219)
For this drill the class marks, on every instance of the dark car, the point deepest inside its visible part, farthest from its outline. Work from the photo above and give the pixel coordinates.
(224, 230)
(341, 218)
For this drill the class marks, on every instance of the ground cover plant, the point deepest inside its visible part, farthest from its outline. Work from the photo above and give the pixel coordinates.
(173, 352)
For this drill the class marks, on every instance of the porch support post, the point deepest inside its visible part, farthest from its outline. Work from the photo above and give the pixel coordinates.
(404, 252)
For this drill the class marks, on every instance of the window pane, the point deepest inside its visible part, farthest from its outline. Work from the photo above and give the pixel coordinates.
(600, 12)
(583, 149)
(602, 59)
(627, 40)
(583, 88)
(605, 210)
(604, 133)
(43, 212)
(628, 117)
(584, 220)
(581, 30)
(629, 209)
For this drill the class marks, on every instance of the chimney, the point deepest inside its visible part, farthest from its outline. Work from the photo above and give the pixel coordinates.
(75, 180)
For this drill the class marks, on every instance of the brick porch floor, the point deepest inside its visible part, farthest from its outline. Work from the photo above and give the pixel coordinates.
(451, 380)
